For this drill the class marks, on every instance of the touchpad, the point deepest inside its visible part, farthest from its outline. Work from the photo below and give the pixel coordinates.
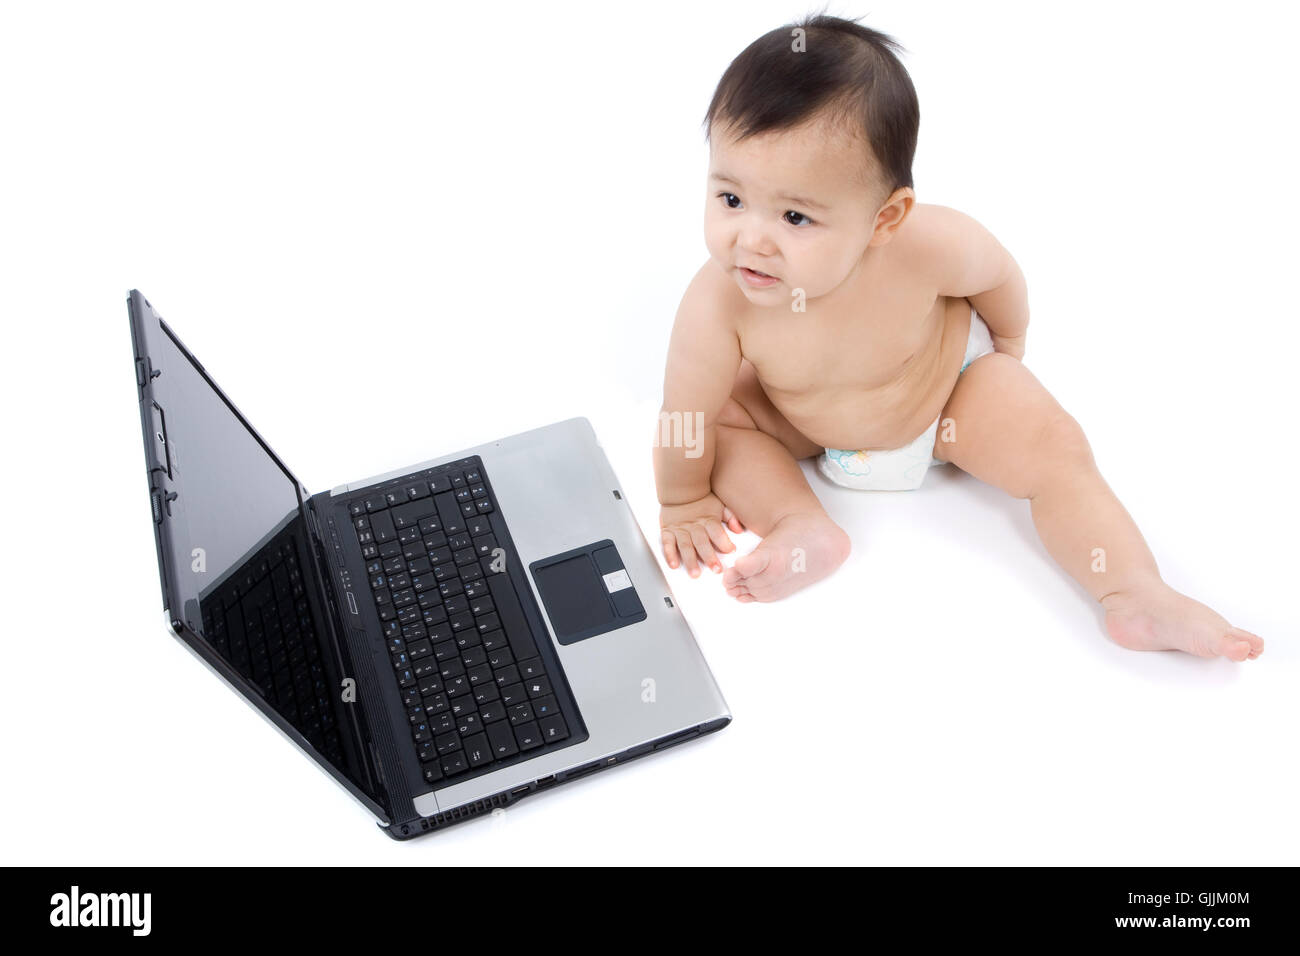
(586, 592)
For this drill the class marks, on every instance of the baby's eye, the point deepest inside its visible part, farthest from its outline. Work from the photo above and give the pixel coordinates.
(727, 197)
(800, 215)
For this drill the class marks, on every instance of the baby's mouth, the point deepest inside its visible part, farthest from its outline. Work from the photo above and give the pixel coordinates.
(755, 272)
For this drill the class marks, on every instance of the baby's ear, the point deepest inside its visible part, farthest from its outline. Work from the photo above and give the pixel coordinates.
(895, 211)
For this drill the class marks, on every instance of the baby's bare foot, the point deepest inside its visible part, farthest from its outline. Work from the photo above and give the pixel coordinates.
(1158, 618)
(800, 549)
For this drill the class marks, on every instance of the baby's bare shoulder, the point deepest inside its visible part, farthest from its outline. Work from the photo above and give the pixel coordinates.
(946, 248)
(710, 301)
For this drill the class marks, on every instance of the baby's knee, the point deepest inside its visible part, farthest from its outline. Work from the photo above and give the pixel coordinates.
(1062, 449)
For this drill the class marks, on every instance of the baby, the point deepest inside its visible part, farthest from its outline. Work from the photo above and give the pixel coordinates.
(838, 318)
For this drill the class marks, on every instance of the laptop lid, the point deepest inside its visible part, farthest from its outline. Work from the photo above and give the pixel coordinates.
(237, 558)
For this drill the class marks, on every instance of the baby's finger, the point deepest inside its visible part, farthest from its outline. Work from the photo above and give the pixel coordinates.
(688, 552)
(670, 548)
(731, 521)
(718, 535)
(704, 547)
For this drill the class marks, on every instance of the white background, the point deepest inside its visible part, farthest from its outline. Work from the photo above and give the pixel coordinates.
(353, 213)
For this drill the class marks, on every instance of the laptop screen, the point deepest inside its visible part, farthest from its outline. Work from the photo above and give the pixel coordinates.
(244, 581)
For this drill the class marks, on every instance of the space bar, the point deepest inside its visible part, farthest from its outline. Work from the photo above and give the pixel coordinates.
(512, 616)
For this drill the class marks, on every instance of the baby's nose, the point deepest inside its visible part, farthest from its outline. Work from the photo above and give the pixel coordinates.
(756, 241)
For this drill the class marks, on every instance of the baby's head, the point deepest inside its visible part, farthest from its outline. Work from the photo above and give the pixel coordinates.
(811, 135)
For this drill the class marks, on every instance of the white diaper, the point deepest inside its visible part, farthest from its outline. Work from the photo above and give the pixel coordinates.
(899, 469)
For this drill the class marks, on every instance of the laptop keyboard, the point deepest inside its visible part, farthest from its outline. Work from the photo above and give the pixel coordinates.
(259, 620)
(475, 690)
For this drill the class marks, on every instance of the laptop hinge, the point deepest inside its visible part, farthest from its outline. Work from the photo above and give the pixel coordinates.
(337, 628)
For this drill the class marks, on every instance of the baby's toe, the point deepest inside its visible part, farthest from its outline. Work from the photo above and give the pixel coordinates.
(1255, 642)
(752, 564)
(732, 577)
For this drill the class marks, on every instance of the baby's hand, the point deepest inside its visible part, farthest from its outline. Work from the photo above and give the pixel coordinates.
(694, 528)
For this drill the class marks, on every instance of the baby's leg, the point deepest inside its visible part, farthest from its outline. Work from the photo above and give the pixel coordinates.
(755, 474)
(1008, 431)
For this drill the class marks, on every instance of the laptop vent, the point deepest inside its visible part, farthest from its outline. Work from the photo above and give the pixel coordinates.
(457, 814)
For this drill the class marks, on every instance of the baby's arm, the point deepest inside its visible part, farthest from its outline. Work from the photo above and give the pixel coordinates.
(963, 259)
(703, 359)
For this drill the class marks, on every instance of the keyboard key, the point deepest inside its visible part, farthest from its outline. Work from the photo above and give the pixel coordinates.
(469, 723)
(454, 764)
(553, 728)
(512, 617)
(528, 735)
(449, 513)
(477, 750)
(430, 685)
(538, 687)
(502, 740)
(413, 514)
(416, 489)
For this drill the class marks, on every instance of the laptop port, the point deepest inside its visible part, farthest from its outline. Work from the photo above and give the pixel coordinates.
(546, 781)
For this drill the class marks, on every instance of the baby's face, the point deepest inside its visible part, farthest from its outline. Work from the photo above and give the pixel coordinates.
(792, 205)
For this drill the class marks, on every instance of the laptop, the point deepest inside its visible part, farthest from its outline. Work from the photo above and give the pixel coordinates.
(442, 640)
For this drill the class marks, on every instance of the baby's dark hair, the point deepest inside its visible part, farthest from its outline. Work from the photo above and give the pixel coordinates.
(845, 68)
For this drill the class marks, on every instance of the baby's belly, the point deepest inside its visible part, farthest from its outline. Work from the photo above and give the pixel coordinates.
(860, 416)
(834, 419)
